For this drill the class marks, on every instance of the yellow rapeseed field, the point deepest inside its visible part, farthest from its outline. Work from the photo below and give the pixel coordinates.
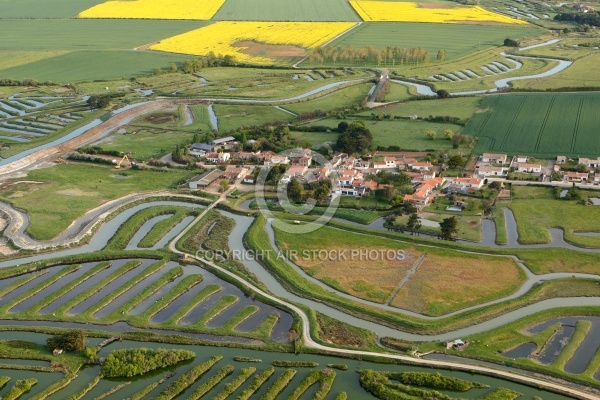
(155, 9)
(221, 38)
(412, 12)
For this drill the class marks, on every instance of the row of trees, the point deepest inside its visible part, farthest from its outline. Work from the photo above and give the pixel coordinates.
(591, 18)
(448, 226)
(371, 55)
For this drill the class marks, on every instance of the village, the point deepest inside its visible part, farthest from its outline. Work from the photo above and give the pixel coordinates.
(224, 161)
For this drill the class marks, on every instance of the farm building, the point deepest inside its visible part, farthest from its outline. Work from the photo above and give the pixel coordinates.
(205, 179)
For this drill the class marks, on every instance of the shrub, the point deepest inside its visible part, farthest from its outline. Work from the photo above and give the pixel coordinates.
(300, 364)
(185, 380)
(131, 362)
(436, 380)
(212, 382)
(21, 386)
(279, 385)
(258, 381)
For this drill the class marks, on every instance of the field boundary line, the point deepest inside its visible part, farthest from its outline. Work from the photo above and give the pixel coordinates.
(491, 111)
(512, 124)
(543, 127)
(576, 129)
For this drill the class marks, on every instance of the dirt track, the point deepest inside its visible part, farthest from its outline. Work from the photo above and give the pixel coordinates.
(88, 136)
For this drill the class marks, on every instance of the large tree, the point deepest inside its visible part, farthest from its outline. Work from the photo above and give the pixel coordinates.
(455, 161)
(70, 341)
(294, 190)
(355, 139)
(448, 227)
(414, 223)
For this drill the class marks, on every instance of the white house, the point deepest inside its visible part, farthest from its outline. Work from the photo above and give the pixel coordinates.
(218, 158)
(522, 159)
(465, 185)
(488, 170)
(421, 166)
(527, 167)
(576, 177)
(492, 158)
(593, 163)
(274, 160)
(295, 171)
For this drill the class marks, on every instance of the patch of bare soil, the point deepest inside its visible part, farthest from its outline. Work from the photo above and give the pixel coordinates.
(253, 48)
(161, 118)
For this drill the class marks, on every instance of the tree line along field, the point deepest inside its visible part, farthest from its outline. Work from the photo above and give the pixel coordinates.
(542, 125)
(458, 40)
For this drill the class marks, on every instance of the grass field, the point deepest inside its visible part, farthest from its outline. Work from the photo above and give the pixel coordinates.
(232, 117)
(445, 283)
(44, 8)
(286, 10)
(542, 125)
(457, 40)
(254, 42)
(574, 76)
(469, 227)
(409, 135)
(68, 191)
(397, 92)
(460, 107)
(445, 280)
(345, 97)
(314, 138)
(536, 210)
(372, 279)
(401, 11)
(146, 144)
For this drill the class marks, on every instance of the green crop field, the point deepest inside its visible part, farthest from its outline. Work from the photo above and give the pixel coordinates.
(75, 50)
(542, 125)
(286, 10)
(78, 34)
(458, 40)
(44, 8)
(92, 65)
